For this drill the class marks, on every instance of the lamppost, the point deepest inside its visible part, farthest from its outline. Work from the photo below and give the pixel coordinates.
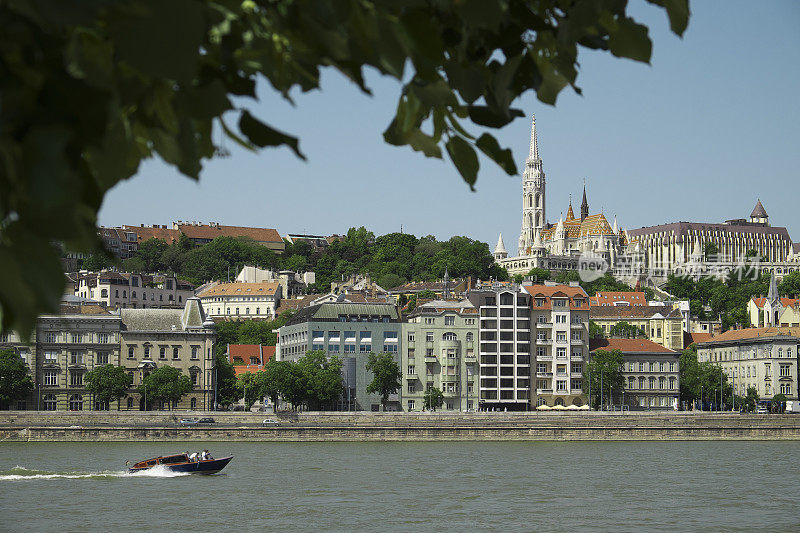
(701, 398)
(38, 395)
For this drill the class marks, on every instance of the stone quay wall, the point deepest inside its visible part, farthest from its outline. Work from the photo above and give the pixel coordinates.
(310, 426)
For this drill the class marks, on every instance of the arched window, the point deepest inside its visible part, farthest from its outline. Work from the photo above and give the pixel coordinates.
(662, 383)
(50, 402)
(672, 383)
(449, 336)
(104, 293)
(652, 383)
(631, 382)
(194, 404)
(538, 200)
(124, 294)
(133, 294)
(130, 403)
(641, 382)
(469, 337)
(76, 402)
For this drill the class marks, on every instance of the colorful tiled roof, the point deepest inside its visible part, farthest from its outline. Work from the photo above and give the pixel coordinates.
(785, 302)
(574, 228)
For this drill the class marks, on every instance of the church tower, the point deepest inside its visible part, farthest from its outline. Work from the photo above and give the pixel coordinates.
(584, 205)
(533, 200)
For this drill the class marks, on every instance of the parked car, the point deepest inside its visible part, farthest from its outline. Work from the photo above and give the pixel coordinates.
(269, 422)
(761, 410)
(188, 421)
(207, 420)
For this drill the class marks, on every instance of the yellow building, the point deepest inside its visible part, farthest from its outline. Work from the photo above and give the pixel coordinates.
(662, 325)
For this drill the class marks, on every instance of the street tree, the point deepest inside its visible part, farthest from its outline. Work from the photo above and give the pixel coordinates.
(626, 330)
(385, 376)
(790, 286)
(323, 379)
(88, 99)
(595, 331)
(276, 374)
(108, 383)
(15, 382)
(433, 398)
(225, 387)
(165, 384)
(604, 374)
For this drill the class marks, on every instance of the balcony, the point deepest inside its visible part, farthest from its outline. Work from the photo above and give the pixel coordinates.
(577, 325)
(431, 359)
(577, 375)
(576, 342)
(576, 357)
(544, 324)
(451, 378)
(544, 358)
(544, 374)
(544, 391)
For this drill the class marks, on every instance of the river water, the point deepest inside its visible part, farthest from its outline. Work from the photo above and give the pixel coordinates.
(417, 486)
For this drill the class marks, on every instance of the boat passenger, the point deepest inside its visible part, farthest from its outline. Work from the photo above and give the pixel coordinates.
(193, 457)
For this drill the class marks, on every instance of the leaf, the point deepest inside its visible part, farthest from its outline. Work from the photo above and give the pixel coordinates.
(486, 116)
(436, 93)
(207, 102)
(503, 157)
(630, 40)
(262, 135)
(678, 12)
(464, 158)
(160, 38)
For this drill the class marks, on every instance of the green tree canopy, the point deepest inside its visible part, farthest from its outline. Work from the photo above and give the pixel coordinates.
(539, 275)
(252, 386)
(702, 380)
(226, 390)
(604, 370)
(595, 331)
(385, 376)
(276, 376)
(108, 383)
(433, 398)
(790, 285)
(86, 99)
(323, 379)
(15, 383)
(627, 330)
(166, 384)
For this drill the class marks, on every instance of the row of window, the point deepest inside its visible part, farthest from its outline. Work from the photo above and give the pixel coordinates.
(53, 337)
(652, 383)
(77, 357)
(162, 352)
(652, 366)
(766, 352)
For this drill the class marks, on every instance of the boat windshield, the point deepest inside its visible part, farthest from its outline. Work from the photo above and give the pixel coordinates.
(170, 459)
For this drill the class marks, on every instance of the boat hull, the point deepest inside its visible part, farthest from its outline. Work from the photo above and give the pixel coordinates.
(195, 467)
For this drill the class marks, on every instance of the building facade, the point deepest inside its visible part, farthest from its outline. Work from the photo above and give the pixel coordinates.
(119, 290)
(180, 338)
(26, 351)
(81, 338)
(764, 358)
(350, 331)
(660, 324)
(560, 334)
(440, 351)
(651, 373)
(772, 310)
(242, 300)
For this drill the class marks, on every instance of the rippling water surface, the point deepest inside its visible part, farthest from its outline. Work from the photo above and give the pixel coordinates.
(731, 486)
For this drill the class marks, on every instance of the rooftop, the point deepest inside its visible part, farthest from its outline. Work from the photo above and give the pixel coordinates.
(628, 346)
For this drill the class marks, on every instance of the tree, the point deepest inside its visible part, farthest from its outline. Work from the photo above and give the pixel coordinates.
(626, 330)
(15, 383)
(276, 374)
(751, 400)
(385, 376)
(790, 286)
(539, 275)
(595, 331)
(108, 383)
(151, 253)
(322, 378)
(604, 373)
(433, 398)
(226, 390)
(778, 403)
(121, 100)
(252, 386)
(710, 252)
(165, 384)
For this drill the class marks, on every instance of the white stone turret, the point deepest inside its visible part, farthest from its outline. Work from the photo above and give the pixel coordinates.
(615, 229)
(500, 250)
(533, 196)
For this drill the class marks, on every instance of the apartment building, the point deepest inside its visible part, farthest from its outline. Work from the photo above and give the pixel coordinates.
(180, 338)
(504, 347)
(350, 331)
(764, 358)
(68, 345)
(560, 335)
(650, 371)
(439, 351)
(242, 300)
(122, 290)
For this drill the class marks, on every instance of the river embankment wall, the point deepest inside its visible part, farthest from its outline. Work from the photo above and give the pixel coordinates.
(326, 426)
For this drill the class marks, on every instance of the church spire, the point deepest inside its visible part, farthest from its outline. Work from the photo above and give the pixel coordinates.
(570, 214)
(584, 204)
(772, 295)
(533, 153)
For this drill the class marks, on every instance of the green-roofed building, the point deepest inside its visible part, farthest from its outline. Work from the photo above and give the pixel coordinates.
(350, 331)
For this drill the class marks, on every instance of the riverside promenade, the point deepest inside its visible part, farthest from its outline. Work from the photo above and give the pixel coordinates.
(114, 426)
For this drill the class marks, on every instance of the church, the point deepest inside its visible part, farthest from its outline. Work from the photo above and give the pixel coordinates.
(556, 246)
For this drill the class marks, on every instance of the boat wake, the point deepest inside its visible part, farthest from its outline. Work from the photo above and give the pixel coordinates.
(20, 473)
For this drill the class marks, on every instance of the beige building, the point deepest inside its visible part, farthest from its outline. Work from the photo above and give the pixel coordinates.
(242, 300)
(662, 325)
(651, 373)
(82, 337)
(772, 310)
(181, 338)
(440, 351)
(764, 358)
(120, 290)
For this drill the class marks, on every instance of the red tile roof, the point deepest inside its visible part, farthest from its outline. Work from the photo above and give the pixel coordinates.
(628, 346)
(244, 352)
(145, 233)
(241, 289)
(612, 297)
(557, 291)
(753, 333)
(692, 338)
(785, 302)
(265, 235)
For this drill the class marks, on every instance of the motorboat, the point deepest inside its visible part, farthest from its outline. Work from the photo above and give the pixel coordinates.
(182, 463)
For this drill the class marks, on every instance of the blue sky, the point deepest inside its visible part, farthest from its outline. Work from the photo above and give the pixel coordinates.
(709, 127)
